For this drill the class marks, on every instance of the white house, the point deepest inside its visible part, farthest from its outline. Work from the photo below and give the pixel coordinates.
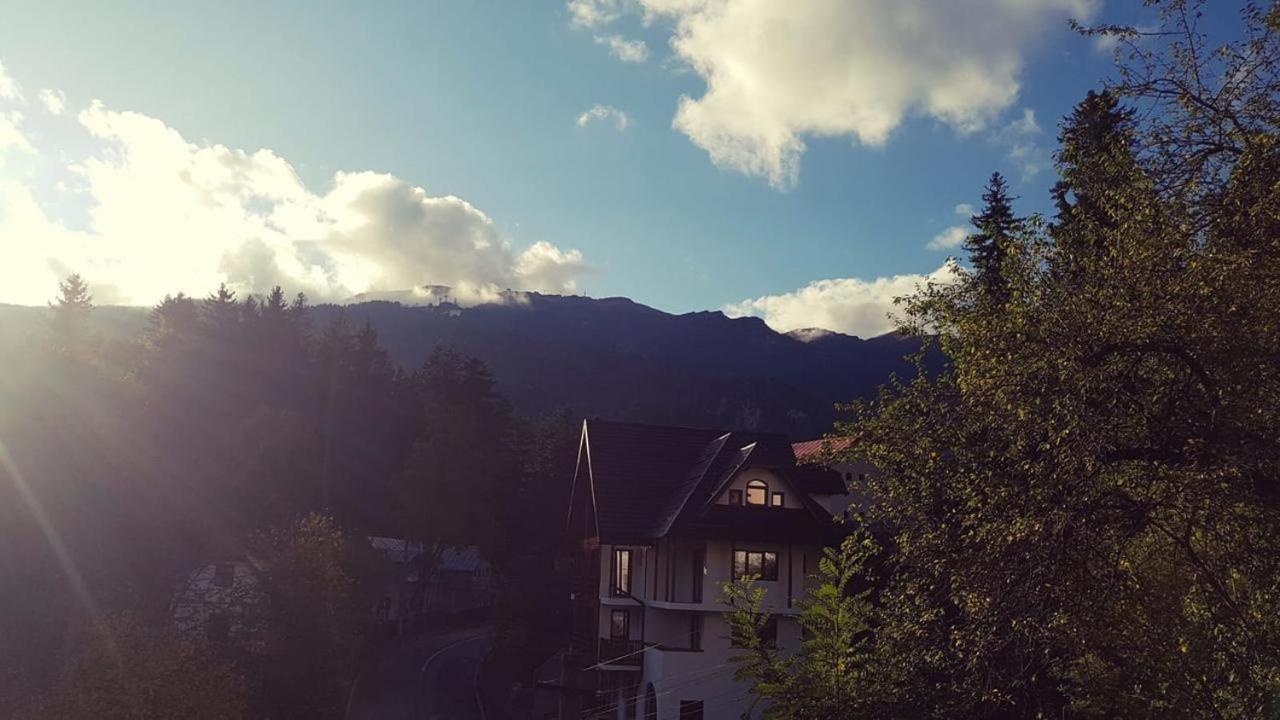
(221, 601)
(660, 518)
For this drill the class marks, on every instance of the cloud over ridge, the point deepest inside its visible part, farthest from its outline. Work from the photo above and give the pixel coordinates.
(163, 214)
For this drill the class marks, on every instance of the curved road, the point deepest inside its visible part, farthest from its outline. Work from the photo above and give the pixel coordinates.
(431, 677)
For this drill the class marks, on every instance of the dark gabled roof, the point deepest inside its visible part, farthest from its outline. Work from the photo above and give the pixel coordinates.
(635, 469)
(649, 480)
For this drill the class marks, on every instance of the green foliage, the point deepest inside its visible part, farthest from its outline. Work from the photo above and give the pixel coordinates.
(321, 586)
(127, 670)
(830, 677)
(462, 460)
(1083, 507)
(996, 226)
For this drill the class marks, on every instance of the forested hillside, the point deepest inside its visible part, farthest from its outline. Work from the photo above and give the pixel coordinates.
(608, 357)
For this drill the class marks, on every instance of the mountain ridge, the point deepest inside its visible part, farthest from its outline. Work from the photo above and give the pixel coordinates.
(612, 357)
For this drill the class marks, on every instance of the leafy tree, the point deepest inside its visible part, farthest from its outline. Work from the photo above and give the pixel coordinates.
(129, 670)
(462, 461)
(1083, 506)
(831, 674)
(321, 588)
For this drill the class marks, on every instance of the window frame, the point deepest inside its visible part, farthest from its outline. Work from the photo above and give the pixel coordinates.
(691, 710)
(756, 485)
(620, 584)
(777, 499)
(734, 573)
(735, 497)
(626, 624)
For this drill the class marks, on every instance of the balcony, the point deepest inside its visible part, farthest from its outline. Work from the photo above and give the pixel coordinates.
(620, 653)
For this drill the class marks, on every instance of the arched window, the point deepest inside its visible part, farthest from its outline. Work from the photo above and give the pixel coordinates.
(650, 703)
(757, 493)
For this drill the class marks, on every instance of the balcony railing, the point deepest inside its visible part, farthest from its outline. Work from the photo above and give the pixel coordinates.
(621, 652)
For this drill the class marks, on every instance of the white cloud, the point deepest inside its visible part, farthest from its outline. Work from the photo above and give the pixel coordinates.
(950, 238)
(9, 88)
(964, 209)
(777, 73)
(605, 112)
(847, 305)
(1021, 141)
(54, 101)
(161, 214)
(632, 51)
(594, 13)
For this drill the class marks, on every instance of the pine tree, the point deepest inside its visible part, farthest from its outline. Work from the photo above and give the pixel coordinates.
(988, 247)
(1098, 165)
(71, 315)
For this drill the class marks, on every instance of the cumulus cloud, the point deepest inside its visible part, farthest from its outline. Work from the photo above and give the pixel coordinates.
(159, 214)
(848, 305)
(1021, 141)
(777, 73)
(605, 112)
(950, 238)
(594, 13)
(54, 101)
(955, 235)
(9, 88)
(632, 51)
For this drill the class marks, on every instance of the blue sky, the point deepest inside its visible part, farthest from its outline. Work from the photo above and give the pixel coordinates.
(902, 112)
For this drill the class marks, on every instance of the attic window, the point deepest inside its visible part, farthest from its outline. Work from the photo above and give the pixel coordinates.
(777, 499)
(735, 497)
(757, 493)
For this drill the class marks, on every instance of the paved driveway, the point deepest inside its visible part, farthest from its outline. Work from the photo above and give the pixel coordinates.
(424, 678)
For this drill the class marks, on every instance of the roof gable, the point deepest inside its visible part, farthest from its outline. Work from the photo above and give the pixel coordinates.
(648, 480)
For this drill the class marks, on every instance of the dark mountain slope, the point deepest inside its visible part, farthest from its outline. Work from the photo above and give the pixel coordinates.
(613, 358)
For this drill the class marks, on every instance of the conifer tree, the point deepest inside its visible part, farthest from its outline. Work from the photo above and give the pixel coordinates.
(988, 247)
(71, 312)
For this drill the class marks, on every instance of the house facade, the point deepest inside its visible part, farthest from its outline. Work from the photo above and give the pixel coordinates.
(660, 518)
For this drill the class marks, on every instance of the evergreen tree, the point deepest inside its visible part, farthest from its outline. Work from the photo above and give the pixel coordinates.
(1097, 164)
(996, 226)
(71, 310)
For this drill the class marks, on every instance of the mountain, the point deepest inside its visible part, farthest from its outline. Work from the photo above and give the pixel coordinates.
(615, 358)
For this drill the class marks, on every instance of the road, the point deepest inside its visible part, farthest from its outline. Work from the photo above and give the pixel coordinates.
(430, 677)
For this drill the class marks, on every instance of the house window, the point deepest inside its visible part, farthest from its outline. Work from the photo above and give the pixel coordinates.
(224, 575)
(757, 492)
(650, 703)
(621, 585)
(695, 631)
(620, 625)
(763, 564)
(777, 499)
(690, 710)
(735, 497)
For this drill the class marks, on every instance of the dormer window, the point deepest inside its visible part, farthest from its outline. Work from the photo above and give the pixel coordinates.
(757, 493)
(777, 499)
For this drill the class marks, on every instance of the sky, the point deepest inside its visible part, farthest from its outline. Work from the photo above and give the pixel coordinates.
(805, 162)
